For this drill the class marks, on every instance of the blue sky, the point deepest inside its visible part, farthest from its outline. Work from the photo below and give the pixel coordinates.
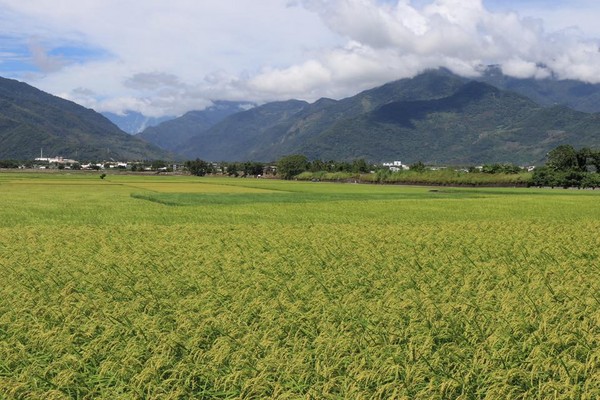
(167, 57)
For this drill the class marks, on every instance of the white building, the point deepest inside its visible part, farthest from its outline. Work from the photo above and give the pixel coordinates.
(56, 160)
(396, 166)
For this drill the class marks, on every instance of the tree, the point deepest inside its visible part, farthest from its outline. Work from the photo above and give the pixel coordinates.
(318, 166)
(231, 169)
(9, 164)
(158, 164)
(253, 168)
(511, 169)
(199, 167)
(500, 169)
(591, 181)
(343, 166)
(595, 160)
(292, 165)
(417, 167)
(584, 157)
(545, 176)
(360, 166)
(572, 178)
(563, 158)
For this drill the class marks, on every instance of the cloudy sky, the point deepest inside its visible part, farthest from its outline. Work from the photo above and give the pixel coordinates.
(166, 57)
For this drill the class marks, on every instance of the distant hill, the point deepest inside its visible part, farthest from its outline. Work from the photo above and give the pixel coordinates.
(172, 134)
(280, 128)
(31, 119)
(134, 122)
(477, 124)
(436, 117)
(243, 133)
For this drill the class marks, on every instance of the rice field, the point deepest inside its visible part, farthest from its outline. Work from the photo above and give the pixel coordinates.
(137, 287)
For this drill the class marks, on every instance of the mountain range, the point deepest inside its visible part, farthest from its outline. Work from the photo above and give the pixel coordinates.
(134, 122)
(436, 117)
(171, 134)
(31, 120)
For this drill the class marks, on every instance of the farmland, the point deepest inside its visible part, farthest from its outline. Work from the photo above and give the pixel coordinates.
(183, 287)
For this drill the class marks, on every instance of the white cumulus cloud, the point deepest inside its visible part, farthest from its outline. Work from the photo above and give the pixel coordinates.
(390, 41)
(166, 58)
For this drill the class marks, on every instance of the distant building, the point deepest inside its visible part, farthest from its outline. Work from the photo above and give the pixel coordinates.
(56, 160)
(92, 166)
(117, 164)
(396, 166)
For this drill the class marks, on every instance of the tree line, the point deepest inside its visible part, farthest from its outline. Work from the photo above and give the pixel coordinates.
(568, 167)
(286, 167)
(565, 167)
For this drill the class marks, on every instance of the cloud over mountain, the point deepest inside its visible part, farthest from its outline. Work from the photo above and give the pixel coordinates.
(171, 57)
(388, 41)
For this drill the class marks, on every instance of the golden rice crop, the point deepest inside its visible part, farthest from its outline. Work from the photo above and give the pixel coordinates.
(491, 295)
